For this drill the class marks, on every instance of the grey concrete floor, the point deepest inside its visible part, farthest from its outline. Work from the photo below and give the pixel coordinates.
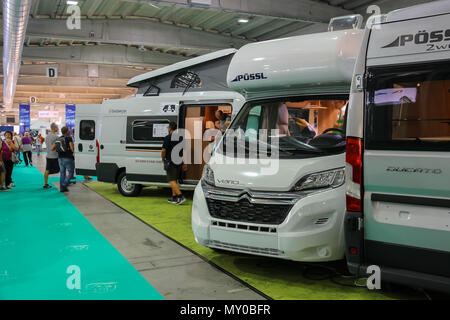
(175, 272)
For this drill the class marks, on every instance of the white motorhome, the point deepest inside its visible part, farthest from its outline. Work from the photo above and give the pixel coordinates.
(300, 87)
(398, 149)
(120, 141)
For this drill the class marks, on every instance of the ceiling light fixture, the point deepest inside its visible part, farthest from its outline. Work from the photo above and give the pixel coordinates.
(153, 5)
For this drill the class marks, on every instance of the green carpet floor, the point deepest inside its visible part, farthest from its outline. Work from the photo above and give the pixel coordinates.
(276, 278)
(42, 234)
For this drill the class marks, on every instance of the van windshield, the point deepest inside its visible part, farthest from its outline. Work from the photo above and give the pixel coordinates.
(302, 127)
(409, 108)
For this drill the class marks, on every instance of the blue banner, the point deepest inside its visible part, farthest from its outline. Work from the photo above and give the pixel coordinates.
(70, 116)
(6, 128)
(24, 118)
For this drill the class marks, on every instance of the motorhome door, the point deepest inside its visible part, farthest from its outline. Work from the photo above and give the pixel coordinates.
(86, 145)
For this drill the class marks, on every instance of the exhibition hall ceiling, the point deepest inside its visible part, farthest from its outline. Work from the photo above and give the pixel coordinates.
(114, 40)
(156, 33)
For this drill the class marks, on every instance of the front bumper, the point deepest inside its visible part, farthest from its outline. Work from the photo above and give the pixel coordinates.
(311, 231)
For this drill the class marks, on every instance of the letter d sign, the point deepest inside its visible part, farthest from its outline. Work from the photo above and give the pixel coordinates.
(52, 72)
(374, 281)
(74, 280)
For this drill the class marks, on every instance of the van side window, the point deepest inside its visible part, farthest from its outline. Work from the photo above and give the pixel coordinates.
(87, 130)
(150, 130)
(409, 108)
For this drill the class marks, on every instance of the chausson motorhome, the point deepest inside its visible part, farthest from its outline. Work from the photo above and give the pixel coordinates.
(120, 141)
(275, 184)
(398, 149)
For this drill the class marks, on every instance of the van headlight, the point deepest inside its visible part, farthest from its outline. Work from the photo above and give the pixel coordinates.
(208, 175)
(325, 179)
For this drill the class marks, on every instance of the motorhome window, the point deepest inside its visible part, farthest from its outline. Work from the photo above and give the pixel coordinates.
(151, 90)
(408, 108)
(304, 127)
(87, 130)
(150, 130)
(186, 79)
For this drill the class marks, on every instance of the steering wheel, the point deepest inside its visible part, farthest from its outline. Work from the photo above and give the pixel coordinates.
(333, 129)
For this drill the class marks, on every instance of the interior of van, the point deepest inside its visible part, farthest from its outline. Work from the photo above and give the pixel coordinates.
(304, 126)
(198, 120)
(410, 109)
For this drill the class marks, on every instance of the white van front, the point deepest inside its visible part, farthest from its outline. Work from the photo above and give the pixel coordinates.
(275, 183)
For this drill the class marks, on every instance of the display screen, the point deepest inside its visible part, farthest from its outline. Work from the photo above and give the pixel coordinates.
(395, 96)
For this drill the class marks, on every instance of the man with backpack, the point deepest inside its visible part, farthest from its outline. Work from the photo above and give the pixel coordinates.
(64, 147)
(52, 164)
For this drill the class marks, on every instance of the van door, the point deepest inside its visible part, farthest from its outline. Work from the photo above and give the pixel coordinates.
(112, 142)
(86, 145)
(407, 168)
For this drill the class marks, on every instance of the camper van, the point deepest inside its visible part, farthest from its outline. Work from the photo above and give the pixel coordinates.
(398, 149)
(120, 141)
(291, 207)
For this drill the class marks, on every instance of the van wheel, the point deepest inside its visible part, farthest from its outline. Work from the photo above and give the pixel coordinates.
(127, 189)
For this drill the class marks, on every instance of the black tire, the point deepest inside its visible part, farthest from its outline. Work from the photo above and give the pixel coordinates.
(133, 190)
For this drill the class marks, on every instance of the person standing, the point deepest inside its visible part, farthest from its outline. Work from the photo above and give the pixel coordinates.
(18, 141)
(173, 169)
(52, 164)
(65, 158)
(8, 148)
(38, 144)
(2, 168)
(27, 148)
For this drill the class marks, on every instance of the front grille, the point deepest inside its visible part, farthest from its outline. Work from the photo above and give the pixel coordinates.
(239, 226)
(245, 249)
(245, 211)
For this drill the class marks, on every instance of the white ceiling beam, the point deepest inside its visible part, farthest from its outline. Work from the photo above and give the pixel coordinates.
(81, 70)
(304, 10)
(72, 89)
(110, 54)
(136, 32)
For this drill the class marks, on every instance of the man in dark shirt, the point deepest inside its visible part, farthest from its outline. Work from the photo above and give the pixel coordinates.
(66, 161)
(173, 164)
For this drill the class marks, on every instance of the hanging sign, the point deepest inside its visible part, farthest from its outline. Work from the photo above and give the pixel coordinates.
(24, 118)
(70, 116)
